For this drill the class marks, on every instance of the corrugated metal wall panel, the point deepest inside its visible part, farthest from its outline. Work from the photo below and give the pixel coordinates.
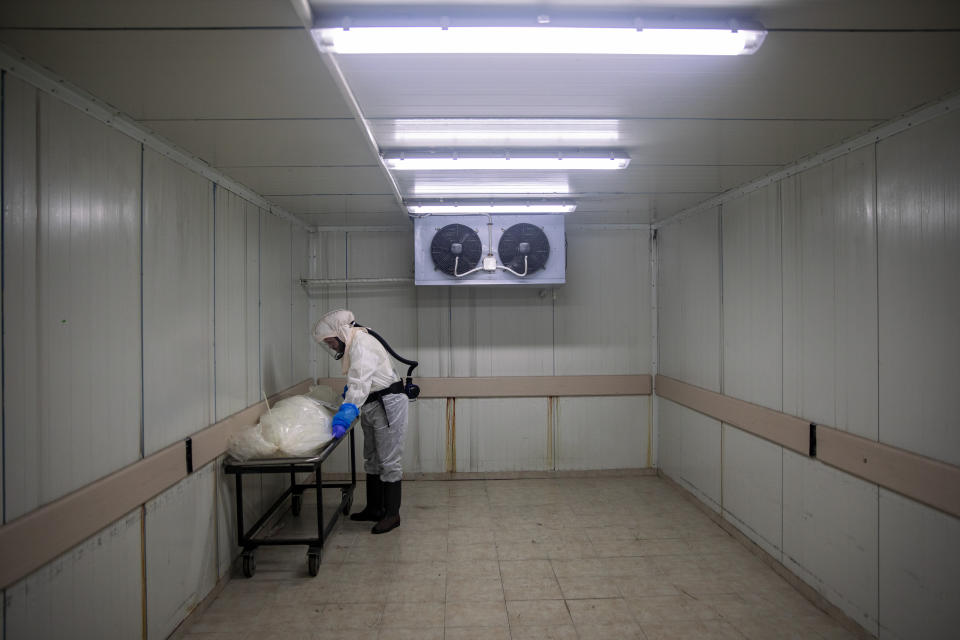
(302, 338)
(20, 294)
(389, 308)
(919, 565)
(752, 326)
(431, 435)
(252, 299)
(87, 258)
(181, 550)
(276, 304)
(690, 450)
(93, 591)
(919, 234)
(602, 313)
(602, 433)
(689, 300)
(253, 507)
(830, 294)
(753, 488)
(433, 331)
(236, 354)
(502, 434)
(329, 251)
(501, 331)
(178, 302)
(830, 534)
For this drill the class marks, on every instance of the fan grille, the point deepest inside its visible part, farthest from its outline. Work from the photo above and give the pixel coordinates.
(524, 240)
(442, 249)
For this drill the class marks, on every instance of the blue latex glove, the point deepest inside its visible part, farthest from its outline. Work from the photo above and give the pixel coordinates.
(343, 419)
(344, 394)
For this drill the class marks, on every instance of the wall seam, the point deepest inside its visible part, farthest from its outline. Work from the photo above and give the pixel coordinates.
(876, 255)
(3, 333)
(782, 354)
(143, 571)
(215, 394)
(290, 291)
(143, 433)
(3, 381)
(260, 299)
(721, 345)
(653, 425)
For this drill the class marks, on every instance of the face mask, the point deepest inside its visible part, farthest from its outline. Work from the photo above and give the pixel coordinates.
(337, 353)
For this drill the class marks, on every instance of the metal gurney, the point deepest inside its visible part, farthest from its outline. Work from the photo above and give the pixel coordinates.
(293, 466)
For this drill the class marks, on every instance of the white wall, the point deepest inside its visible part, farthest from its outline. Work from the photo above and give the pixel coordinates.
(133, 293)
(837, 303)
(598, 322)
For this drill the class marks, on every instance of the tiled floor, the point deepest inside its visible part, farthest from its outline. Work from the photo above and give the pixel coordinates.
(587, 558)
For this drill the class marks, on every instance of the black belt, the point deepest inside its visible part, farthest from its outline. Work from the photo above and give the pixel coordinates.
(376, 396)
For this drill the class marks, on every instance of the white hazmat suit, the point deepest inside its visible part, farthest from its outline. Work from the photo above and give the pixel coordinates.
(383, 419)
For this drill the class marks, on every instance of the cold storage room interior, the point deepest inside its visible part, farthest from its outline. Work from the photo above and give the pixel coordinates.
(685, 323)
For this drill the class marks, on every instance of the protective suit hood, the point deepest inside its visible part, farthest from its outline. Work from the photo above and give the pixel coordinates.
(338, 324)
(334, 324)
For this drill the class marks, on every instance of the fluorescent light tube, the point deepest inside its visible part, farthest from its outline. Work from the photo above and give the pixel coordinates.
(505, 163)
(543, 39)
(514, 137)
(546, 187)
(464, 208)
(507, 132)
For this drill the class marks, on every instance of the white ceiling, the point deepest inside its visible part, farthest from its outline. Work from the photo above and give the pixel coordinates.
(240, 84)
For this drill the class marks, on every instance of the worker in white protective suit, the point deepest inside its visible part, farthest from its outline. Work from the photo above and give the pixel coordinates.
(374, 387)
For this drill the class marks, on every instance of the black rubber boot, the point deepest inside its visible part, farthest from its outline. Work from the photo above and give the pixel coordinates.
(373, 512)
(391, 500)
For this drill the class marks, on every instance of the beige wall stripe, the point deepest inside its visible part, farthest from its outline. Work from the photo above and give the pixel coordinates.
(527, 386)
(934, 483)
(38, 537)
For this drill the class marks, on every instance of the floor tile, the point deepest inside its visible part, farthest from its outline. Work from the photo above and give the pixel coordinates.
(694, 630)
(583, 587)
(476, 633)
(554, 632)
(599, 611)
(644, 585)
(538, 613)
(412, 615)
(473, 569)
(396, 633)
(473, 551)
(526, 568)
(351, 616)
(670, 608)
(531, 588)
(475, 614)
(474, 589)
(619, 631)
(469, 535)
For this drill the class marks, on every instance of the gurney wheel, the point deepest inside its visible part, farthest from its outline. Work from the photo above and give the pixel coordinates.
(348, 504)
(313, 564)
(249, 564)
(297, 500)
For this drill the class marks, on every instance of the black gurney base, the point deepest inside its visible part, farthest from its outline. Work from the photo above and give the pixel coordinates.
(247, 538)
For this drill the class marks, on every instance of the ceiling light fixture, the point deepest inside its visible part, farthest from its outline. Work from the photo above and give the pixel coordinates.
(547, 187)
(478, 161)
(555, 132)
(546, 39)
(448, 207)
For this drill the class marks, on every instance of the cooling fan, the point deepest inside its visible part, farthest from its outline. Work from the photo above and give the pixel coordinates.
(455, 249)
(524, 242)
